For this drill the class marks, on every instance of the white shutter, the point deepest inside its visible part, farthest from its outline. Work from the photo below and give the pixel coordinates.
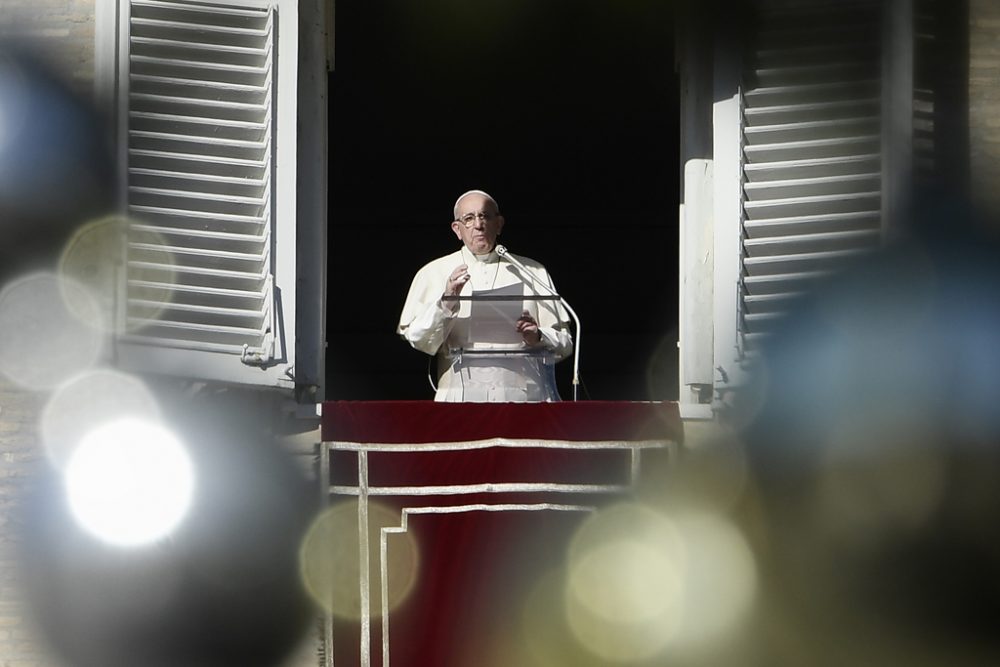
(811, 150)
(199, 105)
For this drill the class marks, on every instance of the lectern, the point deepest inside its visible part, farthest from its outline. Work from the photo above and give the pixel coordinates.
(487, 359)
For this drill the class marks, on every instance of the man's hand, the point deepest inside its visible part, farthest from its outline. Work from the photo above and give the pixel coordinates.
(456, 281)
(528, 328)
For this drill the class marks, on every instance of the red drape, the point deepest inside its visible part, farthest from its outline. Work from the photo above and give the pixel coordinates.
(476, 567)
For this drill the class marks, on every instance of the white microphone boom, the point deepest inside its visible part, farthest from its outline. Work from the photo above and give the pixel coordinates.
(502, 251)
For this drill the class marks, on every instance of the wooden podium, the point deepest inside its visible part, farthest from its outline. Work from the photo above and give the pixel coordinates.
(479, 485)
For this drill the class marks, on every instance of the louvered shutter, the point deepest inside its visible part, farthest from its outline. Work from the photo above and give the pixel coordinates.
(811, 152)
(200, 96)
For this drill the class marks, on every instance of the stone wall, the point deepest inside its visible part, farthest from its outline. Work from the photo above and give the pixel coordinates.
(19, 454)
(62, 32)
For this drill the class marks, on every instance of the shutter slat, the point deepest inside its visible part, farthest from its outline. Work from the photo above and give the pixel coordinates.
(770, 303)
(763, 318)
(201, 233)
(168, 306)
(200, 271)
(195, 104)
(814, 205)
(215, 10)
(187, 344)
(811, 130)
(200, 291)
(200, 217)
(811, 93)
(815, 148)
(812, 168)
(258, 163)
(783, 283)
(797, 263)
(847, 69)
(803, 243)
(812, 224)
(199, 30)
(200, 331)
(198, 295)
(202, 178)
(792, 113)
(206, 208)
(809, 187)
(168, 82)
(249, 187)
(256, 125)
(198, 252)
(198, 65)
(191, 331)
(214, 197)
(256, 145)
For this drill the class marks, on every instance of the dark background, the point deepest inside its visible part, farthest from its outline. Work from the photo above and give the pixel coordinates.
(566, 112)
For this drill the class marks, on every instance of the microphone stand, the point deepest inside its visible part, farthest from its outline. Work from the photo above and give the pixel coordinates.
(502, 251)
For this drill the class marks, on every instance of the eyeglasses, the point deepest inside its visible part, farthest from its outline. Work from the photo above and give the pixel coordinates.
(469, 219)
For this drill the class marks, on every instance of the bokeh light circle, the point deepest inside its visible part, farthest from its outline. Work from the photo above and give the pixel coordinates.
(329, 560)
(613, 580)
(95, 256)
(623, 589)
(129, 482)
(720, 578)
(88, 400)
(640, 583)
(44, 341)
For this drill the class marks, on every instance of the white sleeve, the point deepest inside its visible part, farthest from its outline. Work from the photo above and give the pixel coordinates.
(425, 322)
(558, 340)
(429, 329)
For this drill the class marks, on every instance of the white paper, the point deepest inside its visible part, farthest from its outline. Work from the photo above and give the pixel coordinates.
(494, 323)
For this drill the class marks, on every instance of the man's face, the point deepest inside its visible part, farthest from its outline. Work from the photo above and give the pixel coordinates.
(478, 224)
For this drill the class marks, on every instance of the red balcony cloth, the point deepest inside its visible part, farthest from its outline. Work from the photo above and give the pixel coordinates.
(427, 421)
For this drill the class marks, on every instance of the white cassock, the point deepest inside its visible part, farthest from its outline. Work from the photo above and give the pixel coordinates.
(481, 357)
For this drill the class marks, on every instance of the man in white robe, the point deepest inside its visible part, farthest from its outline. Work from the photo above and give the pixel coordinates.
(500, 345)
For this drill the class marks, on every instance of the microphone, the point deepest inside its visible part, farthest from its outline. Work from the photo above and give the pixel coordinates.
(503, 252)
